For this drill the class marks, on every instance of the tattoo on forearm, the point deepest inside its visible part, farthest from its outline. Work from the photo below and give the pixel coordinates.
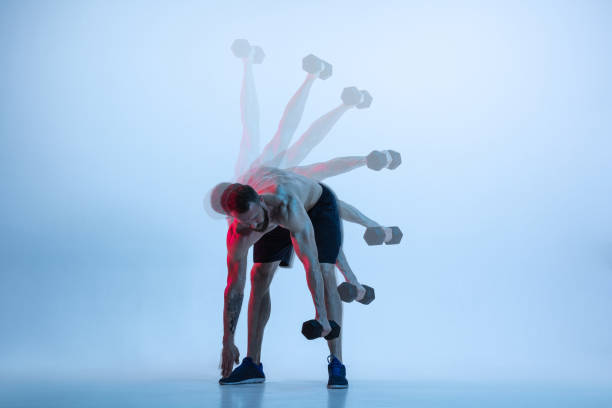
(233, 310)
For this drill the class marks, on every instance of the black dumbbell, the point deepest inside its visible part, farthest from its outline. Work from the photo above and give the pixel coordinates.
(376, 236)
(351, 96)
(242, 49)
(312, 329)
(348, 293)
(378, 160)
(315, 65)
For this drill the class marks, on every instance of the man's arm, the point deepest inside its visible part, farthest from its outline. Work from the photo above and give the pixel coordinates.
(249, 107)
(237, 249)
(234, 293)
(303, 239)
(330, 168)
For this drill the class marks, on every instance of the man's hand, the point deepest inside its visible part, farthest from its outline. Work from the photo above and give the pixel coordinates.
(360, 291)
(326, 327)
(229, 356)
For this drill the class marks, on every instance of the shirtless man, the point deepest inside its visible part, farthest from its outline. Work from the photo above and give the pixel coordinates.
(278, 152)
(240, 237)
(277, 211)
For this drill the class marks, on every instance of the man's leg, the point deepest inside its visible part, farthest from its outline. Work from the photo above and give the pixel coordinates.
(333, 305)
(259, 306)
(335, 368)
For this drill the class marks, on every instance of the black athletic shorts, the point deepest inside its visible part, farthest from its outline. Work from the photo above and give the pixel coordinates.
(276, 245)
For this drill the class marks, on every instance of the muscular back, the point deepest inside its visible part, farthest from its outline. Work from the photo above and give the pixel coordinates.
(283, 184)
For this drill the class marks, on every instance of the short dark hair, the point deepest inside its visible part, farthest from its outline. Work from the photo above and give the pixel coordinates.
(237, 197)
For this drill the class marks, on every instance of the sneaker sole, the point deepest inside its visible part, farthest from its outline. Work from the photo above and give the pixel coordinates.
(248, 381)
(336, 387)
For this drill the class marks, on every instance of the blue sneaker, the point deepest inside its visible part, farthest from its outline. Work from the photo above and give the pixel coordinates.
(246, 373)
(337, 373)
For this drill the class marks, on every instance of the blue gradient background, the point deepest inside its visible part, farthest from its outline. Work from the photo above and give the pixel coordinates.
(117, 117)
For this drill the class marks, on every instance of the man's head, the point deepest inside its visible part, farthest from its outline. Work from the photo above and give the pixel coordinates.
(242, 202)
(212, 201)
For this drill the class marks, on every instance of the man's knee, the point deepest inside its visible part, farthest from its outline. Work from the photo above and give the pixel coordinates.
(262, 273)
(328, 271)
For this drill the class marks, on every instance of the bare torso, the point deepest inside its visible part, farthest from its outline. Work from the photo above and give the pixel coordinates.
(283, 185)
(281, 190)
(287, 198)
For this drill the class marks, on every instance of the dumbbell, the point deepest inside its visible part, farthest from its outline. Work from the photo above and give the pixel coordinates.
(312, 329)
(348, 293)
(380, 235)
(354, 97)
(378, 160)
(315, 65)
(242, 49)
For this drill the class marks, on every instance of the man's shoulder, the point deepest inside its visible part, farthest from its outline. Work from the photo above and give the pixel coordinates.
(293, 213)
(236, 229)
(281, 192)
(239, 239)
(279, 211)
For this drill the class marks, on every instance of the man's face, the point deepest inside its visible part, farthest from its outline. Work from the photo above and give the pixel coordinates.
(255, 218)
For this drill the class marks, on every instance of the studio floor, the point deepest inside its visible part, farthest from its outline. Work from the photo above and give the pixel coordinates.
(207, 393)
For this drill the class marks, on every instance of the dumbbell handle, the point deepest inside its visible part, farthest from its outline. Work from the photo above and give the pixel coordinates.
(388, 234)
(313, 325)
(388, 155)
